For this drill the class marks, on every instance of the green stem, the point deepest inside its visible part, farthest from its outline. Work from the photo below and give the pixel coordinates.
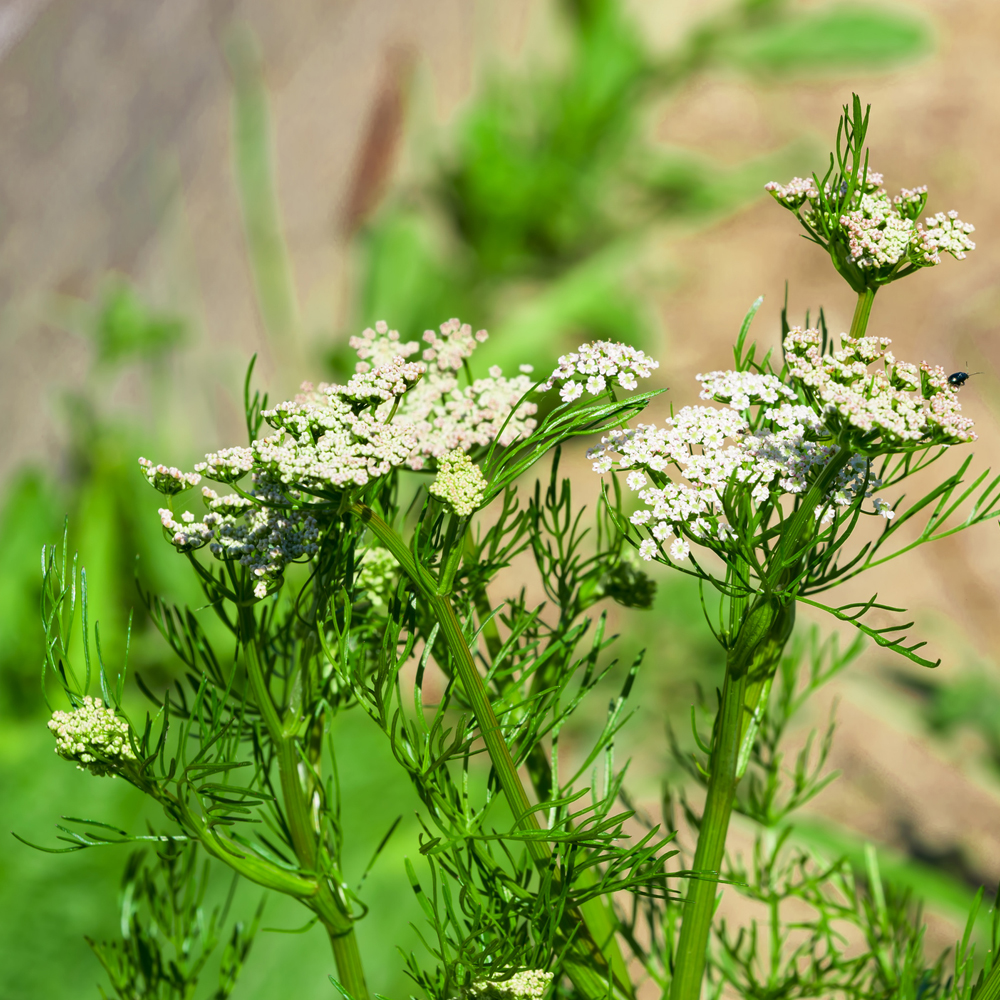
(598, 914)
(861, 312)
(586, 955)
(248, 865)
(765, 626)
(750, 666)
(304, 837)
(699, 905)
(348, 958)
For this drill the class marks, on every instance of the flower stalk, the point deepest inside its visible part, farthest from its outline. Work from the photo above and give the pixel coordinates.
(749, 666)
(859, 322)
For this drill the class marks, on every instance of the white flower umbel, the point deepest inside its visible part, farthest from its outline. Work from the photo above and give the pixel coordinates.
(592, 366)
(946, 233)
(896, 408)
(260, 532)
(227, 466)
(740, 389)
(532, 984)
(187, 534)
(93, 736)
(459, 483)
(392, 413)
(443, 413)
(397, 413)
(264, 539)
(322, 441)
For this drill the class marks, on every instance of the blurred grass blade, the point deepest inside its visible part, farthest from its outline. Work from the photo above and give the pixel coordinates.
(832, 39)
(253, 161)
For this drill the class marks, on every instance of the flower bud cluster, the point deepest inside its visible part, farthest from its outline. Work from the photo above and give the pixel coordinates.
(459, 482)
(453, 346)
(944, 233)
(878, 234)
(531, 984)
(227, 466)
(802, 192)
(380, 345)
(93, 736)
(593, 366)
(168, 480)
(793, 194)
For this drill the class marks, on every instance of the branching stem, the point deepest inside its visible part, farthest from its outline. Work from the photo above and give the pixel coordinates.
(305, 839)
(588, 964)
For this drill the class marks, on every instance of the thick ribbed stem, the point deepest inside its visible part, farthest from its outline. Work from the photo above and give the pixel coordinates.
(861, 312)
(750, 666)
(699, 905)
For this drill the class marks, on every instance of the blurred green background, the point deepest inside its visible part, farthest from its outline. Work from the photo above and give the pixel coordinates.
(181, 186)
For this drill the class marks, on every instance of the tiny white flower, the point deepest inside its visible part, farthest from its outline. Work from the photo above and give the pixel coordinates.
(570, 391)
(884, 508)
(647, 549)
(595, 384)
(679, 550)
(635, 480)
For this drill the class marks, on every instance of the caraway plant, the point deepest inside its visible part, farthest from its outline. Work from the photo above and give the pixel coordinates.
(367, 551)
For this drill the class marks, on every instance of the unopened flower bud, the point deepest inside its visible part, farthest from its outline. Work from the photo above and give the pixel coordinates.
(93, 736)
(459, 483)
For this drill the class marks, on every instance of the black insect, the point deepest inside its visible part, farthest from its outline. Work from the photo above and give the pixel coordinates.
(958, 379)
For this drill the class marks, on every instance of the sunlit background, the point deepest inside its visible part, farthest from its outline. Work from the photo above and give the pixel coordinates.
(184, 184)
